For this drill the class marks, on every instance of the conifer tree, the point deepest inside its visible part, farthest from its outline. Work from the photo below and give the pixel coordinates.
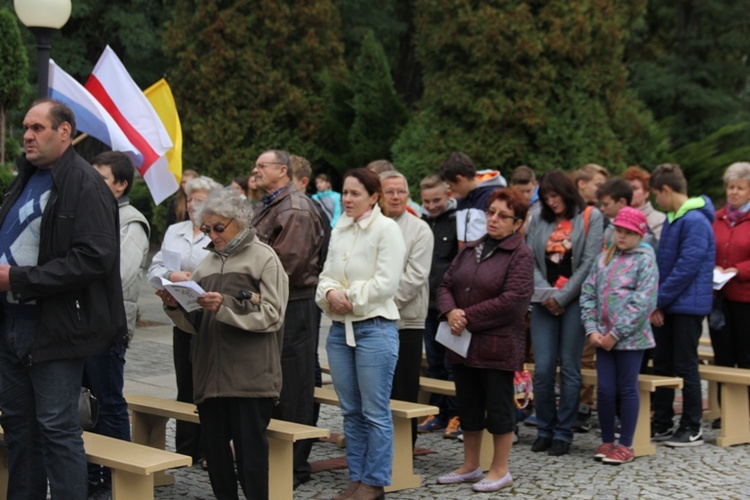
(246, 78)
(526, 82)
(13, 69)
(379, 113)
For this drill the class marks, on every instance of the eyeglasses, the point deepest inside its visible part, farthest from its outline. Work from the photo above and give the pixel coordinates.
(501, 216)
(218, 228)
(266, 163)
(395, 193)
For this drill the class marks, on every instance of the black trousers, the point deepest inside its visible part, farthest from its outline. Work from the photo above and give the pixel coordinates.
(187, 439)
(242, 421)
(406, 377)
(296, 403)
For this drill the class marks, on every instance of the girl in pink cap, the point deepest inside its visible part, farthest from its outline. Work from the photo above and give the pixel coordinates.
(616, 302)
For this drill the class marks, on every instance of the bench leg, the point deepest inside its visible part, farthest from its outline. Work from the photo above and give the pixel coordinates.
(151, 430)
(129, 486)
(735, 416)
(280, 469)
(642, 445)
(403, 476)
(713, 411)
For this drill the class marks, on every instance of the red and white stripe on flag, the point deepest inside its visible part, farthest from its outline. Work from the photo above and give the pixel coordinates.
(113, 87)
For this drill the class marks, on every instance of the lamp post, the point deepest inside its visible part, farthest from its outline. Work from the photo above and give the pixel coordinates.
(43, 18)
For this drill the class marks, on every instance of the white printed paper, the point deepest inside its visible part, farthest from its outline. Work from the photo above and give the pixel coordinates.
(456, 343)
(184, 292)
(722, 277)
(171, 260)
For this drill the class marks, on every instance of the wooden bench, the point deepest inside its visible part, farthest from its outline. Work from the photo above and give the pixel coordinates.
(647, 384)
(734, 412)
(134, 466)
(150, 417)
(403, 476)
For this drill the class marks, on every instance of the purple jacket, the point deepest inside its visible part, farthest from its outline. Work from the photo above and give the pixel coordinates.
(495, 293)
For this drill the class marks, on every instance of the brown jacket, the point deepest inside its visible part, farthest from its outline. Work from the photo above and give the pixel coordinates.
(292, 227)
(237, 350)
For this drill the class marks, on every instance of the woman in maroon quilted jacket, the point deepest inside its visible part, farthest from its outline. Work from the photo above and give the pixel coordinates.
(487, 291)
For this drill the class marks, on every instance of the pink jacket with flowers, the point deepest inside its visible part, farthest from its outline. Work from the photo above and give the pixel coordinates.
(619, 297)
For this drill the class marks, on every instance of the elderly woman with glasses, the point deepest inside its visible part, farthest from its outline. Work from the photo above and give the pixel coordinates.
(487, 291)
(237, 351)
(183, 241)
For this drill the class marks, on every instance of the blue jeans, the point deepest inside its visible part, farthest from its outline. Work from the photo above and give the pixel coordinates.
(362, 377)
(617, 379)
(39, 405)
(104, 374)
(554, 337)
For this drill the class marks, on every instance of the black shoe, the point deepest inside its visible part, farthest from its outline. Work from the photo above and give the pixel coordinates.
(583, 419)
(661, 433)
(716, 424)
(685, 437)
(559, 448)
(300, 480)
(541, 444)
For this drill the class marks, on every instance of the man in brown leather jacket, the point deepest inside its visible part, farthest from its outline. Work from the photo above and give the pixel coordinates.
(288, 221)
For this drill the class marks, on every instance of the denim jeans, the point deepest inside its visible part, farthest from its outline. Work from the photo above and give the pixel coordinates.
(676, 354)
(103, 374)
(617, 380)
(362, 377)
(554, 337)
(39, 405)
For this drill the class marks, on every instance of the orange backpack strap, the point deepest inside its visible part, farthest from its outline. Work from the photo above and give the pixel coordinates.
(586, 218)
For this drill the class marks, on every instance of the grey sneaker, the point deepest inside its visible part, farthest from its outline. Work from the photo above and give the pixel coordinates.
(661, 433)
(583, 419)
(685, 437)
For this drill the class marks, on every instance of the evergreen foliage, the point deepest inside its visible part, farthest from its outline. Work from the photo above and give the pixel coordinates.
(689, 62)
(379, 113)
(246, 78)
(13, 70)
(526, 82)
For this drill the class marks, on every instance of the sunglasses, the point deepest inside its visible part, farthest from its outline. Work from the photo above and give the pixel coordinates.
(218, 228)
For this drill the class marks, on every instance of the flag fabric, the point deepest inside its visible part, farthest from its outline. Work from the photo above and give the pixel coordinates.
(113, 87)
(91, 117)
(161, 98)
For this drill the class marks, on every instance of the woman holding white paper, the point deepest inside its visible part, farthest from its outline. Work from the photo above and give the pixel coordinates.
(183, 248)
(237, 348)
(487, 291)
(731, 343)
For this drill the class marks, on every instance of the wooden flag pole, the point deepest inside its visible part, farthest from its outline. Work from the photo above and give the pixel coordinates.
(79, 138)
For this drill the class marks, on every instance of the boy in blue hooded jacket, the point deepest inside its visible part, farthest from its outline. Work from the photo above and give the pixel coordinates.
(686, 260)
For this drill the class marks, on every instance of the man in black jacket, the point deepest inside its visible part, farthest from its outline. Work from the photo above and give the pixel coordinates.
(61, 302)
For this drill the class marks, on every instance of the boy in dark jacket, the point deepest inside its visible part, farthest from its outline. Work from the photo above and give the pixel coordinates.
(439, 211)
(686, 260)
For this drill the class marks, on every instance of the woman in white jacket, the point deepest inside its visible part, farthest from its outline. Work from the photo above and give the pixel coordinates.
(356, 289)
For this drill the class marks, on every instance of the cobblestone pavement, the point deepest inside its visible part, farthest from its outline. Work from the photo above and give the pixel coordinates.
(705, 472)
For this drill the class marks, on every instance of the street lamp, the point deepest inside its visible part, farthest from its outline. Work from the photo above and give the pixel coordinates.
(43, 18)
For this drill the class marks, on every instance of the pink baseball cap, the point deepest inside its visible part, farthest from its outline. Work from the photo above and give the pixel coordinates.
(632, 219)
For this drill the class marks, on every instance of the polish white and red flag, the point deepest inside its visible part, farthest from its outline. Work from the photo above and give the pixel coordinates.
(116, 91)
